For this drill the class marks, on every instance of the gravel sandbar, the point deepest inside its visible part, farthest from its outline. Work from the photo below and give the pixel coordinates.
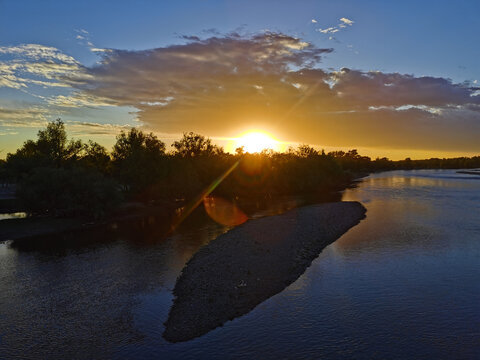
(252, 262)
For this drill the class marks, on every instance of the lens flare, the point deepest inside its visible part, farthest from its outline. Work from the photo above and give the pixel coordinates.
(223, 211)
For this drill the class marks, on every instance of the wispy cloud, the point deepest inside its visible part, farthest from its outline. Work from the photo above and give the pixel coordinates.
(79, 100)
(34, 64)
(344, 22)
(84, 128)
(347, 21)
(32, 116)
(84, 39)
(38, 52)
(7, 132)
(330, 30)
(39, 71)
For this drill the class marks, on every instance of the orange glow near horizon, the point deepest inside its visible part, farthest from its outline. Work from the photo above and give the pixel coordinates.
(254, 141)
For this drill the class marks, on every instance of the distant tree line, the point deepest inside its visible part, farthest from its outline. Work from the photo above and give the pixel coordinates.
(59, 176)
(352, 161)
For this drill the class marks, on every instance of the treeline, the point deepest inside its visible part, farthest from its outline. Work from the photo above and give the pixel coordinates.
(353, 161)
(59, 176)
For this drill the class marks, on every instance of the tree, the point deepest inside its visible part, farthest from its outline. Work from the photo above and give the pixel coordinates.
(240, 150)
(135, 143)
(95, 156)
(58, 176)
(54, 145)
(4, 178)
(306, 151)
(137, 159)
(52, 148)
(192, 145)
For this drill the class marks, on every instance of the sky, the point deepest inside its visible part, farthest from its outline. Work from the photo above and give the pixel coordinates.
(389, 78)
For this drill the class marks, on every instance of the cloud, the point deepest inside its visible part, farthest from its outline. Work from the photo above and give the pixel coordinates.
(330, 30)
(8, 77)
(347, 21)
(34, 116)
(84, 39)
(359, 89)
(6, 133)
(79, 100)
(344, 22)
(221, 85)
(314, 21)
(83, 128)
(14, 118)
(34, 64)
(38, 52)
(172, 71)
(39, 71)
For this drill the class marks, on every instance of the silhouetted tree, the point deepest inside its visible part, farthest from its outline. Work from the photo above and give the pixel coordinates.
(59, 176)
(240, 150)
(137, 159)
(52, 148)
(306, 151)
(53, 144)
(95, 156)
(4, 175)
(192, 145)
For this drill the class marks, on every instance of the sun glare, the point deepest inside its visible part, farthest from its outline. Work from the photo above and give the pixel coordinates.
(257, 141)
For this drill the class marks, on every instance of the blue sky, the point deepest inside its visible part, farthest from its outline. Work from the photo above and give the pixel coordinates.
(419, 38)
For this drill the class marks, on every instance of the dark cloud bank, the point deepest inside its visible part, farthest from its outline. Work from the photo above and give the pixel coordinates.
(221, 84)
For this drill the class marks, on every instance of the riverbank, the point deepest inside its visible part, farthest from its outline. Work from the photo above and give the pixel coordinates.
(252, 262)
(135, 212)
(28, 227)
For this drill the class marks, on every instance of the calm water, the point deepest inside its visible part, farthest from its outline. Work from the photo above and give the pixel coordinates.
(404, 283)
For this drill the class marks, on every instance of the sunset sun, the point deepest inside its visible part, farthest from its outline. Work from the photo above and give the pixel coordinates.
(257, 141)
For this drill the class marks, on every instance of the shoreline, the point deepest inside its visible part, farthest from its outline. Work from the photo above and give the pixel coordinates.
(240, 269)
(469, 172)
(37, 226)
(18, 229)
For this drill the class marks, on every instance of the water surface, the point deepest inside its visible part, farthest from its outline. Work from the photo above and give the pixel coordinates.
(404, 283)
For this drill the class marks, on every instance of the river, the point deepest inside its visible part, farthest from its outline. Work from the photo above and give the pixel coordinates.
(404, 283)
